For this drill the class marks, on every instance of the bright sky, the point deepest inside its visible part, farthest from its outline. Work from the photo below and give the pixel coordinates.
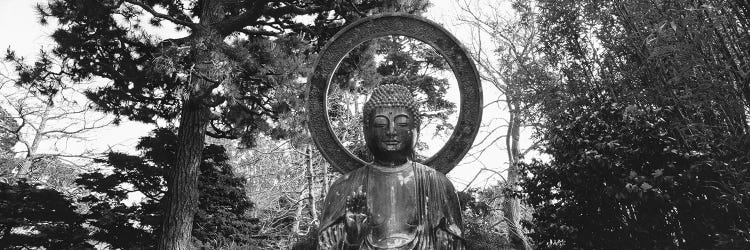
(19, 24)
(23, 33)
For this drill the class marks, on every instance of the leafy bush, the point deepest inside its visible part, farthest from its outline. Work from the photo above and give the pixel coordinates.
(484, 227)
(621, 178)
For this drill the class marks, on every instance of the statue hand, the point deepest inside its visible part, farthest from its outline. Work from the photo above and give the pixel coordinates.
(356, 217)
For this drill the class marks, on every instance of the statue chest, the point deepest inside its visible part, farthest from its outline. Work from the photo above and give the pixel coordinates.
(393, 206)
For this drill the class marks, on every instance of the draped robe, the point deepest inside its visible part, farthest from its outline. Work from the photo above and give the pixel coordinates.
(411, 206)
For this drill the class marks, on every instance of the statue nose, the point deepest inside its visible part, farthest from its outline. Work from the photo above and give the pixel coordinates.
(391, 129)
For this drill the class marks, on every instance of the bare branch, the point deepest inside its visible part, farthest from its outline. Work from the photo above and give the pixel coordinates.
(498, 173)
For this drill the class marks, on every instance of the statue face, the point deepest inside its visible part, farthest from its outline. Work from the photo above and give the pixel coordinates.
(392, 134)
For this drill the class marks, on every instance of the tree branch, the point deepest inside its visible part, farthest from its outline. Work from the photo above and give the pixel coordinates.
(292, 9)
(257, 32)
(181, 19)
(238, 22)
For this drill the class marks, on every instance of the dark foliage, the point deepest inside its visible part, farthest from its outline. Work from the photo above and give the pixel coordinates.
(149, 75)
(222, 204)
(647, 130)
(619, 180)
(480, 223)
(405, 61)
(32, 216)
(8, 128)
(307, 242)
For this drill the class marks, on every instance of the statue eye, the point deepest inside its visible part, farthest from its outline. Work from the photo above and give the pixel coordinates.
(402, 121)
(380, 122)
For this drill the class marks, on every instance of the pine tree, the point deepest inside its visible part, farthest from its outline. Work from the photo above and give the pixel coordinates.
(221, 74)
(126, 223)
(32, 216)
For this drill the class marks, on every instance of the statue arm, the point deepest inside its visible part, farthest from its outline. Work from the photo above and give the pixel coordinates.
(450, 227)
(331, 233)
(343, 216)
(449, 240)
(331, 236)
(444, 210)
(336, 237)
(449, 233)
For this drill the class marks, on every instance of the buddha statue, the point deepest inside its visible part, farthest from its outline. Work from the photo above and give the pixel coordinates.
(392, 202)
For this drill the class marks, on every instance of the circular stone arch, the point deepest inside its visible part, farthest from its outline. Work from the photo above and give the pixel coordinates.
(400, 24)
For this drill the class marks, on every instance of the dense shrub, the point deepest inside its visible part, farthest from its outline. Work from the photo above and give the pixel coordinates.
(621, 179)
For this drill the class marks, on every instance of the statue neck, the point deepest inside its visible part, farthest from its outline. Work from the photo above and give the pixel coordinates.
(396, 168)
(390, 161)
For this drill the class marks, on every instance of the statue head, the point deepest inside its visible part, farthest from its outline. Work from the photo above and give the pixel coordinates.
(391, 124)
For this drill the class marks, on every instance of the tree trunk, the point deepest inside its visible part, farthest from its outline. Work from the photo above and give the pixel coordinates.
(25, 168)
(298, 214)
(310, 182)
(182, 179)
(511, 206)
(324, 190)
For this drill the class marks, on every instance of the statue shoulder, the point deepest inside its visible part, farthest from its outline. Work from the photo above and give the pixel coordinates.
(347, 180)
(335, 201)
(431, 171)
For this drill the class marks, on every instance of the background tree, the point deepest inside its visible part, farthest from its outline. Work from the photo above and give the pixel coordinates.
(44, 117)
(35, 217)
(121, 220)
(483, 218)
(647, 129)
(221, 72)
(7, 138)
(279, 185)
(505, 46)
(7, 141)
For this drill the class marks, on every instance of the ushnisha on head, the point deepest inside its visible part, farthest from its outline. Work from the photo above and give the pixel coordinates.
(390, 95)
(391, 124)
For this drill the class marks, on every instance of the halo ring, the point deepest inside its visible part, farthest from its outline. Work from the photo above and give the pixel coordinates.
(467, 76)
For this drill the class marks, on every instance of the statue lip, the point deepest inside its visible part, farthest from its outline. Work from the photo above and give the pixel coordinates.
(391, 142)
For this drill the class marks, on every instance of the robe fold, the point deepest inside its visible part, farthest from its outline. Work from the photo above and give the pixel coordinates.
(408, 207)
